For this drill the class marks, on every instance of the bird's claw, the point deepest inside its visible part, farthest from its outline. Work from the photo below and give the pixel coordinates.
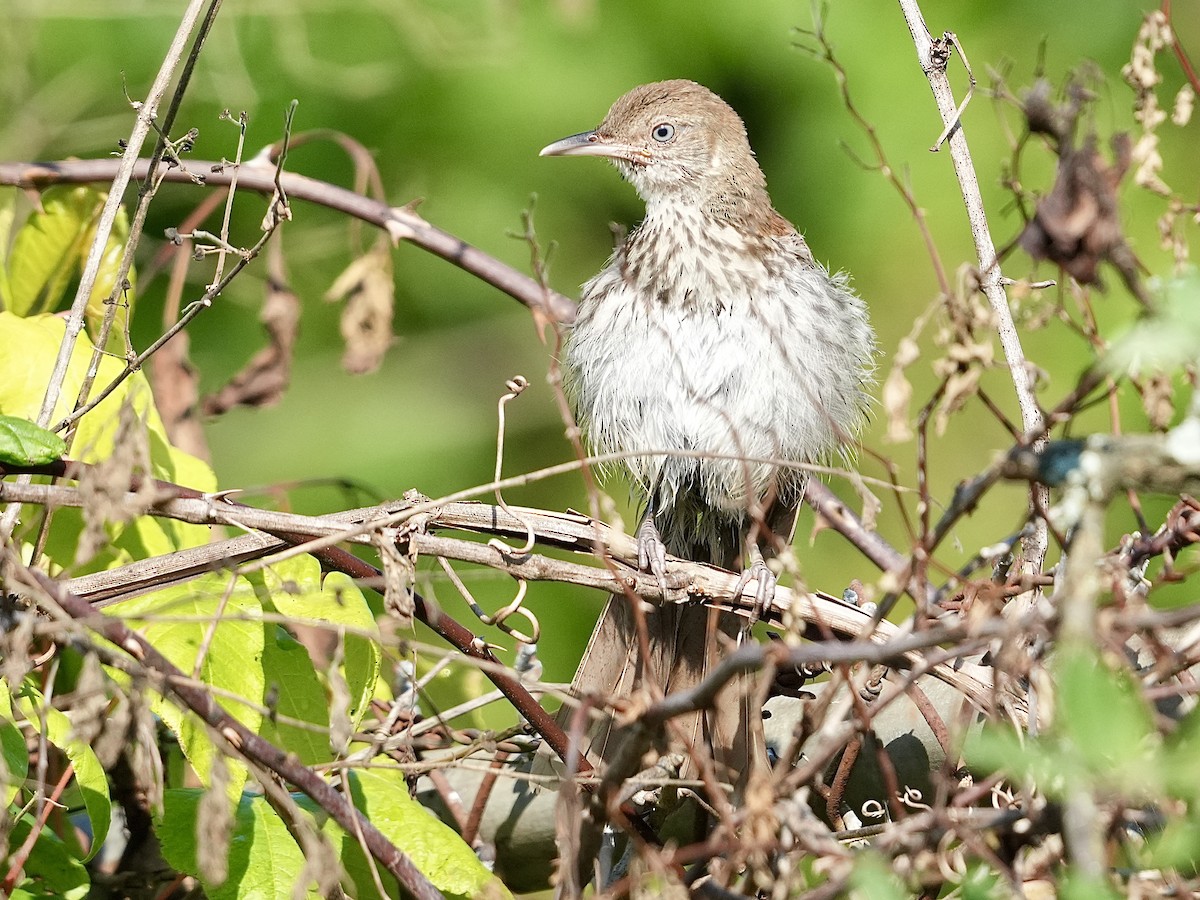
(765, 581)
(652, 553)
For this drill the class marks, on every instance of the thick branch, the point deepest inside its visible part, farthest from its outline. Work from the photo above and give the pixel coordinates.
(821, 612)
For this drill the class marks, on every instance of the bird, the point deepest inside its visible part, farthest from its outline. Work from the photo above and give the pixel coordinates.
(717, 358)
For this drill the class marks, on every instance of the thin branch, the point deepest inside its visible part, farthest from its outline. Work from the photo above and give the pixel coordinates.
(119, 174)
(258, 175)
(193, 309)
(934, 55)
(122, 171)
(1181, 55)
(705, 583)
(146, 194)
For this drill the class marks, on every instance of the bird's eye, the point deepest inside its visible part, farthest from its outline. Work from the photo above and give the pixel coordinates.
(663, 132)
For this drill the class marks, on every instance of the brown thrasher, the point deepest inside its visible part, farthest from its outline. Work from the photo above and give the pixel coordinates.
(713, 341)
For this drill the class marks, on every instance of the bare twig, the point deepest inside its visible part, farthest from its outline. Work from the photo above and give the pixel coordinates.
(934, 55)
(705, 583)
(146, 193)
(124, 169)
(120, 172)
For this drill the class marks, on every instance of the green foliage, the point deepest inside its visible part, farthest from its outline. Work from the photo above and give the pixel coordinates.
(1166, 340)
(1102, 738)
(53, 871)
(297, 591)
(28, 347)
(221, 630)
(981, 883)
(89, 778)
(55, 865)
(438, 851)
(1076, 887)
(51, 248)
(13, 753)
(264, 860)
(1104, 741)
(24, 443)
(872, 879)
(210, 629)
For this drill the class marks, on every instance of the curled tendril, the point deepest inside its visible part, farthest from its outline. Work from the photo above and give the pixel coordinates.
(513, 607)
(516, 386)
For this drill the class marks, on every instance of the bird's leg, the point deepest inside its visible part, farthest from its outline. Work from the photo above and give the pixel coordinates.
(652, 552)
(776, 527)
(765, 581)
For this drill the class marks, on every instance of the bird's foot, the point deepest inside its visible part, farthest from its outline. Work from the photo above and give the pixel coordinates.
(765, 583)
(652, 553)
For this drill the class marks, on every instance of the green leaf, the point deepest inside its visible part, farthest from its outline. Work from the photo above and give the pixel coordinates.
(90, 779)
(1177, 846)
(1103, 718)
(8, 212)
(980, 883)
(334, 604)
(28, 347)
(437, 850)
(1076, 886)
(1180, 751)
(51, 869)
(24, 443)
(48, 248)
(997, 748)
(211, 629)
(13, 752)
(106, 278)
(1166, 340)
(264, 859)
(872, 879)
(298, 695)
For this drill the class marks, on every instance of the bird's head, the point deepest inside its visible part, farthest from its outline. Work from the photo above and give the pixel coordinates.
(674, 141)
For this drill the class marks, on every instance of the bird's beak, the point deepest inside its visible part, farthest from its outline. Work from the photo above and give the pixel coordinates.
(592, 143)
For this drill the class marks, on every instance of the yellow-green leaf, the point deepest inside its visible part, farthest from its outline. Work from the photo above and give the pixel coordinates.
(47, 249)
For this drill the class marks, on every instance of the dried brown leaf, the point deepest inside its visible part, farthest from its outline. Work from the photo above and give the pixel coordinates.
(368, 289)
(214, 825)
(961, 386)
(90, 705)
(1076, 225)
(341, 729)
(117, 489)
(399, 577)
(898, 391)
(1158, 399)
(871, 504)
(266, 377)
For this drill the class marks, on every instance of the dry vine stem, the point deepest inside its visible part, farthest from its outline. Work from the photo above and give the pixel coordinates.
(402, 223)
(934, 55)
(570, 531)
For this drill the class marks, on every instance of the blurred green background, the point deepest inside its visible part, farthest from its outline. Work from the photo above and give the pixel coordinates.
(455, 97)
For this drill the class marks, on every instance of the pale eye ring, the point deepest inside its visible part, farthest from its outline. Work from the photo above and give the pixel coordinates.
(663, 132)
